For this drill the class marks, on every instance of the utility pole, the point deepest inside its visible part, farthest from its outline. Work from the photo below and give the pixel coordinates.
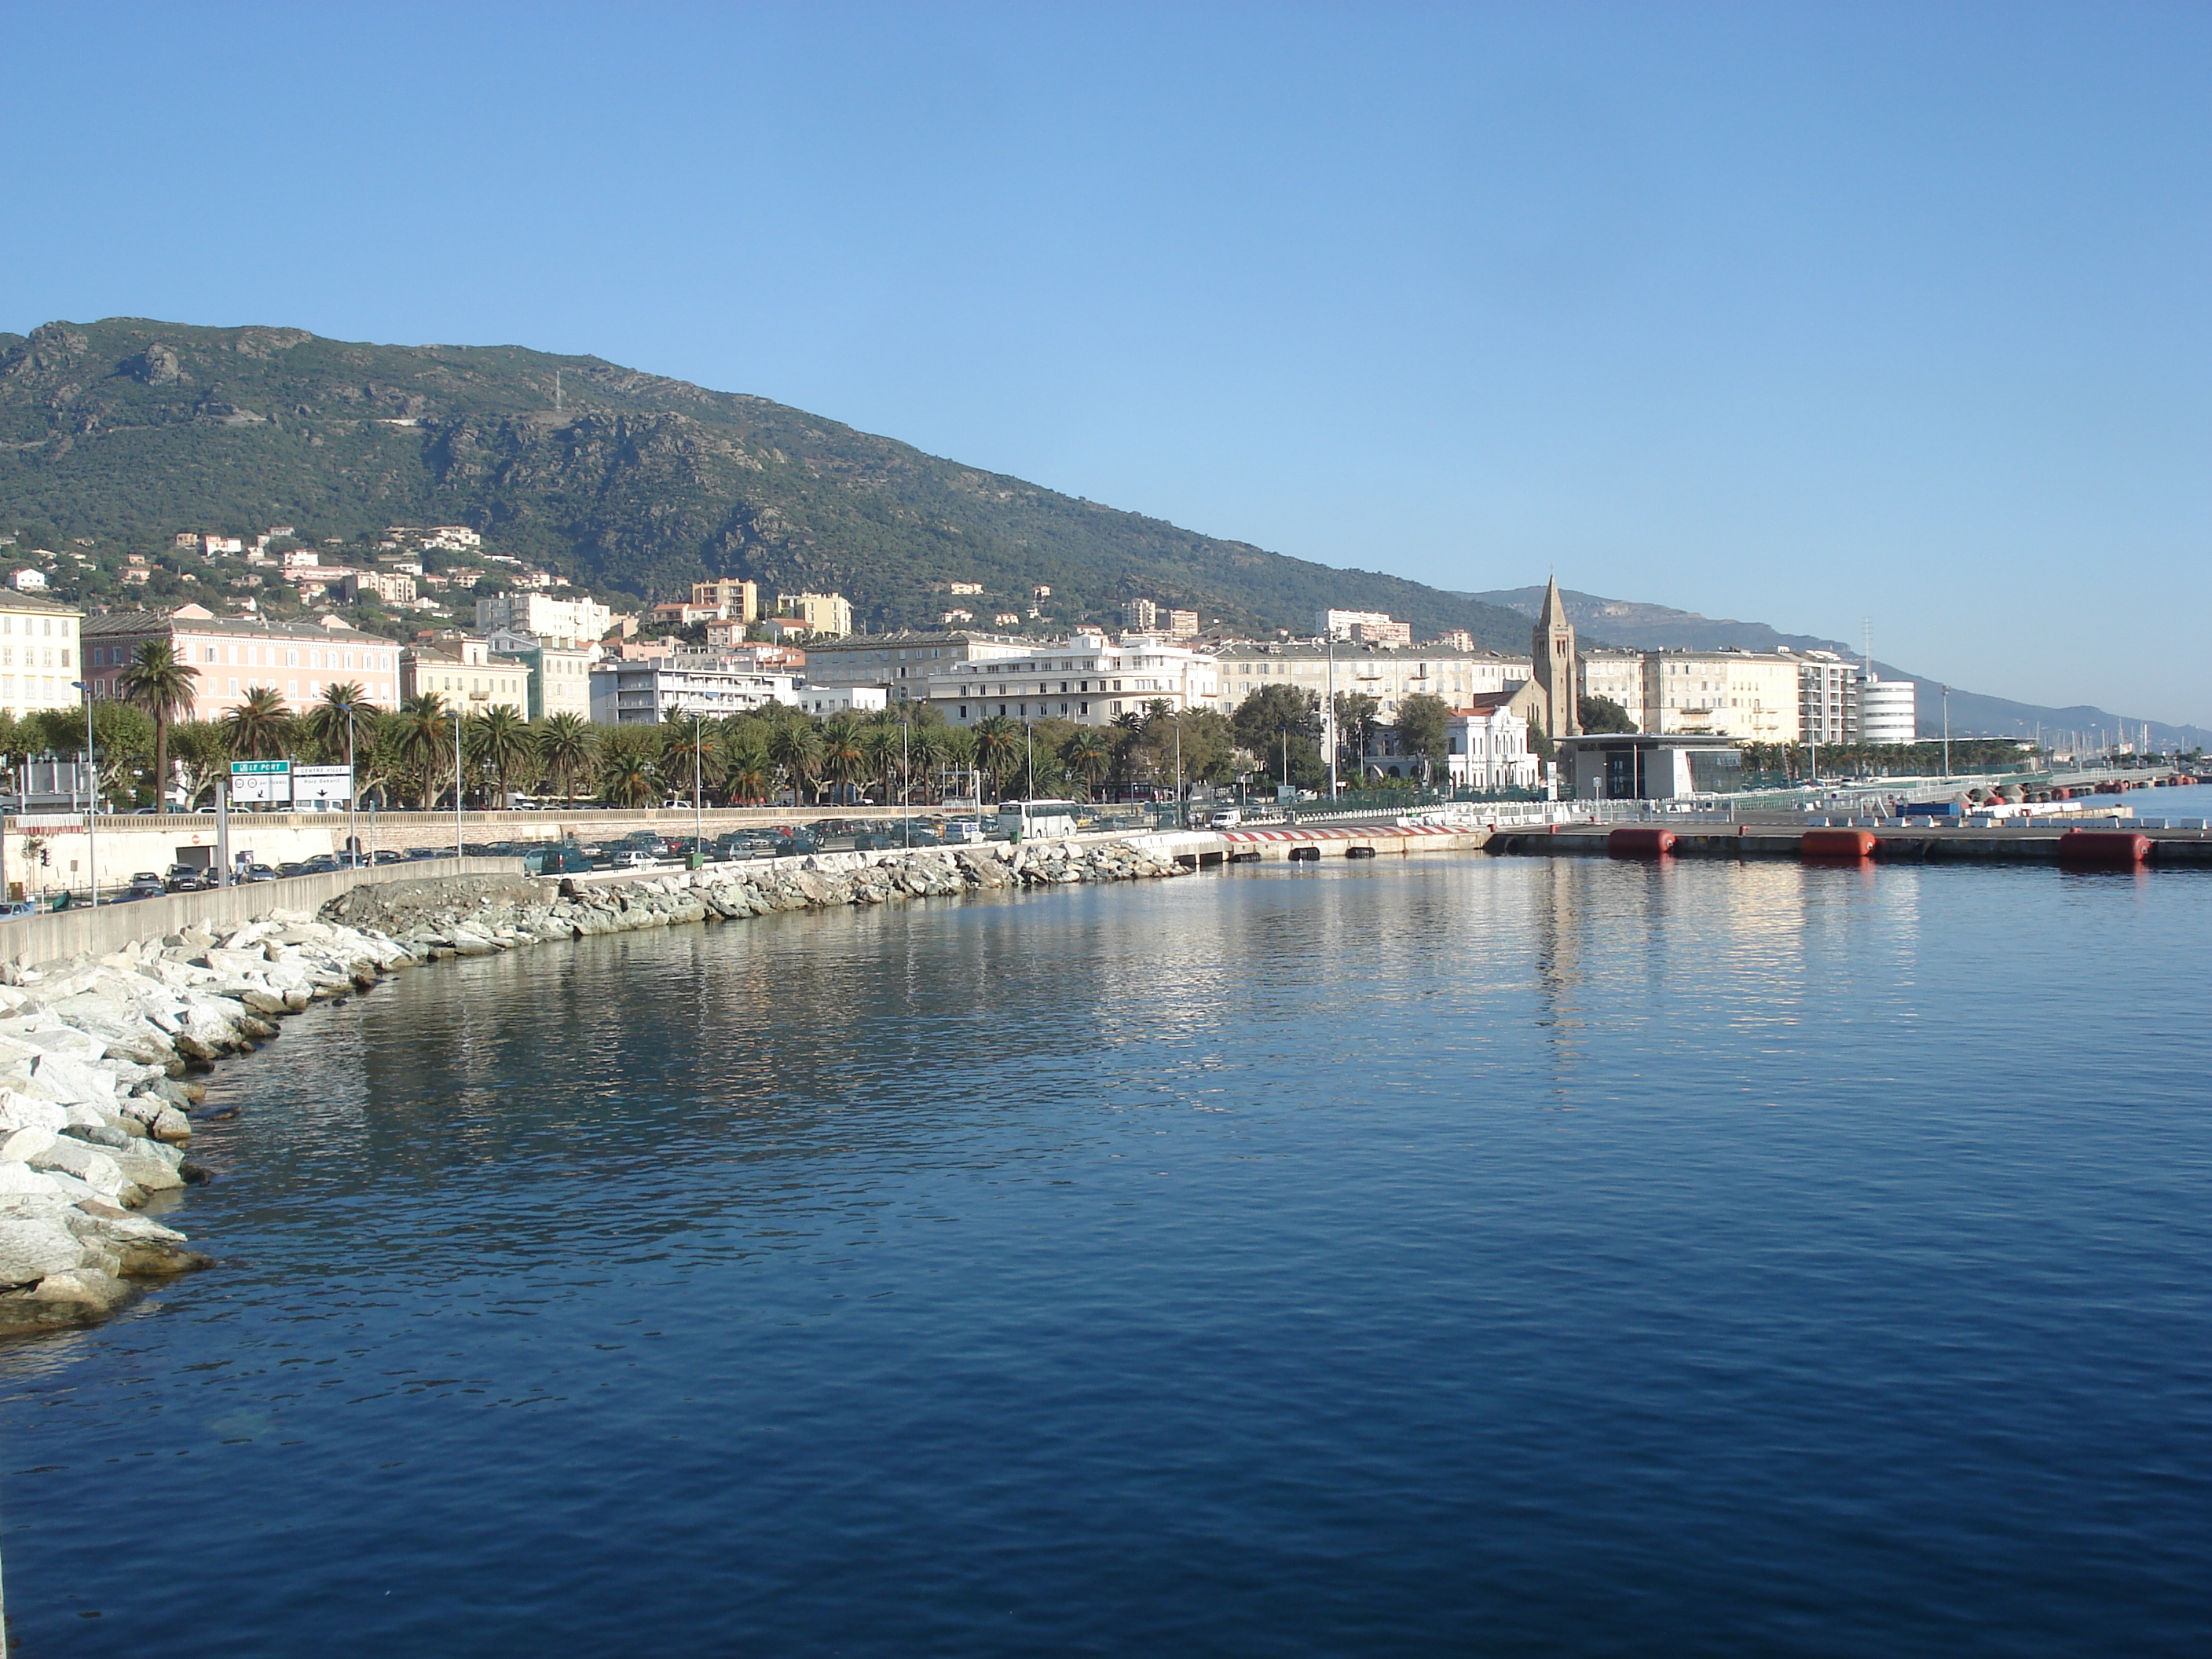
(92, 797)
(457, 781)
(1328, 716)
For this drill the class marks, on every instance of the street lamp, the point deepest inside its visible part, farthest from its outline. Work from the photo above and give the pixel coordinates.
(92, 797)
(1947, 733)
(457, 781)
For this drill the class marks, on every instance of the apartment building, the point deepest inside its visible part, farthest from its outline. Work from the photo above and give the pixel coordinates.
(824, 615)
(561, 622)
(1827, 697)
(1087, 678)
(560, 675)
(646, 693)
(39, 660)
(903, 663)
(1388, 677)
(730, 599)
(1888, 710)
(1617, 676)
(231, 655)
(462, 672)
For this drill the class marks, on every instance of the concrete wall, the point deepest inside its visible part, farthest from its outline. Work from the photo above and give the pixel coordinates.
(26, 940)
(155, 841)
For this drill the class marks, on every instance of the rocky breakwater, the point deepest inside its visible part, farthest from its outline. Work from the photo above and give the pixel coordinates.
(97, 1056)
(95, 1096)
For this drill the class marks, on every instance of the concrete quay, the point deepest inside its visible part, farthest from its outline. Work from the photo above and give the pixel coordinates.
(2036, 843)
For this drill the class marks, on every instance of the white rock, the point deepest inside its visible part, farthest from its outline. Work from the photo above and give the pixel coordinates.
(21, 1181)
(31, 1249)
(72, 1079)
(26, 1143)
(93, 1165)
(22, 1111)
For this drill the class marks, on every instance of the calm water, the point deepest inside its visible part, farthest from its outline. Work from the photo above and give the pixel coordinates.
(1494, 1256)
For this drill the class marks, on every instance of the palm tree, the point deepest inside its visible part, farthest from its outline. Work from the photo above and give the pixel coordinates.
(844, 756)
(1000, 742)
(567, 746)
(926, 752)
(628, 777)
(796, 747)
(498, 740)
(341, 708)
(1089, 753)
(886, 755)
(164, 688)
(425, 736)
(260, 727)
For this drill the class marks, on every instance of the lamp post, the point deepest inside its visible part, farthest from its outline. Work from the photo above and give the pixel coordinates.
(698, 824)
(1947, 732)
(457, 781)
(906, 778)
(1329, 719)
(92, 797)
(353, 796)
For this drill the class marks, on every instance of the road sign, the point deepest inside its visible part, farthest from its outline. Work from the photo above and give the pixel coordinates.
(318, 787)
(261, 782)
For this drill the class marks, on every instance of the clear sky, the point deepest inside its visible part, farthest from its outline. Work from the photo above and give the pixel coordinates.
(1801, 313)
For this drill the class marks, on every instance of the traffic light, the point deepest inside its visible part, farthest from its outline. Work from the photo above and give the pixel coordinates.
(45, 855)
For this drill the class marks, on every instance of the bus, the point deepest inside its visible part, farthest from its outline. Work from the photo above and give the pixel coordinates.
(1028, 820)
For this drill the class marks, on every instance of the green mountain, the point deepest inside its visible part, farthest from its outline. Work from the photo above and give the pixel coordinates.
(124, 431)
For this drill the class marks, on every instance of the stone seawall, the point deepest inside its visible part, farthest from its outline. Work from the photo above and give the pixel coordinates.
(98, 1052)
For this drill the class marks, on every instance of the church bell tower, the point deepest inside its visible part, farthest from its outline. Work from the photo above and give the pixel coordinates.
(1551, 654)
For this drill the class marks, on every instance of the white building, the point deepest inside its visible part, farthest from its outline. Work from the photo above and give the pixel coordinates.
(646, 693)
(1086, 678)
(1887, 711)
(1339, 624)
(1827, 698)
(1486, 745)
(559, 622)
(560, 675)
(903, 663)
(41, 659)
(824, 701)
(1388, 677)
(28, 581)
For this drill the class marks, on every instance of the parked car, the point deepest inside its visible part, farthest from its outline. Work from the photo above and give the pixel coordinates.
(635, 858)
(959, 831)
(257, 872)
(1225, 818)
(143, 886)
(387, 855)
(187, 881)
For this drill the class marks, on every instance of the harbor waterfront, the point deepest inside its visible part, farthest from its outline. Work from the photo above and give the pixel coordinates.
(1496, 1253)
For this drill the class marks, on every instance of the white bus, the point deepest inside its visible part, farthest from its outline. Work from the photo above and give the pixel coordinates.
(1028, 820)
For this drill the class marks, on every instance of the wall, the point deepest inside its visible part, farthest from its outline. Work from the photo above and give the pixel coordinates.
(25, 940)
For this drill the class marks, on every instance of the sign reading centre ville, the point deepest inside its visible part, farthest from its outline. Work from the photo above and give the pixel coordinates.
(261, 782)
(317, 788)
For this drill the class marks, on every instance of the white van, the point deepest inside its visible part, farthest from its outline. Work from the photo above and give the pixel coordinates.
(1225, 818)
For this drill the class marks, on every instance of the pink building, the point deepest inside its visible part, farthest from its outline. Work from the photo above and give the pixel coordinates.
(234, 653)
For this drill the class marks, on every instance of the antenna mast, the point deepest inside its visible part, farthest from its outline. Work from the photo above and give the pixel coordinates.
(557, 390)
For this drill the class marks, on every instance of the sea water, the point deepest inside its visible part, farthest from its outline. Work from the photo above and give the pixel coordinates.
(1473, 1255)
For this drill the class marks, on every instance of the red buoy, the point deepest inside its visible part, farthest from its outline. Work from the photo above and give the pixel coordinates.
(2103, 849)
(1636, 841)
(1836, 844)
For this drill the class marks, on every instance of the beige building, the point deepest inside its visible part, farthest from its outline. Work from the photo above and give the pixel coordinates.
(1086, 678)
(231, 655)
(1388, 677)
(1751, 695)
(734, 600)
(39, 654)
(824, 614)
(464, 673)
(1619, 676)
(560, 675)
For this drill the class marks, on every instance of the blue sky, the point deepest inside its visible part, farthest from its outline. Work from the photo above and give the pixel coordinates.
(1800, 314)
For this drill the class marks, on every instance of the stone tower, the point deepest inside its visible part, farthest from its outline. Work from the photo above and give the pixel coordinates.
(1552, 653)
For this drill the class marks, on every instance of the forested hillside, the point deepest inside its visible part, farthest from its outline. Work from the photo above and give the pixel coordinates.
(124, 431)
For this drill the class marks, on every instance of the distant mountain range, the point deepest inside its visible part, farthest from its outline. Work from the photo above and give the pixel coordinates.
(1658, 627)
(117, 434)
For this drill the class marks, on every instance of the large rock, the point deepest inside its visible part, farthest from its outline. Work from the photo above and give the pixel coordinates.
(30, 1248)
(93, 1165)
